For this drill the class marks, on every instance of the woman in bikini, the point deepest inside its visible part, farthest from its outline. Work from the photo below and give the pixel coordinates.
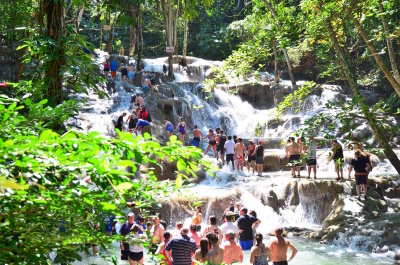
(197, 217)
(251, 156)
(181, 130)
(212, 142)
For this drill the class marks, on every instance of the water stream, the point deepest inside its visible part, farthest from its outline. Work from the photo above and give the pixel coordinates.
(238, 117)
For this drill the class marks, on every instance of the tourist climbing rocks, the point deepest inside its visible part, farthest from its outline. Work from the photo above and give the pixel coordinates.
(212, 142)
(293, 151)
(120, 122)
(141, 126)
(196, 136)
(106, 68)
(144, 114)
(139, 101)
(362, 167)
(311, 157)
(113, 68)
(132, 103)
(132, 121)
(279, 247)
(146, 84)
(338, 159)
(260, 157)
(181, 130)
(169, 128)
(240, 152)
(229, 147)
(251, 156)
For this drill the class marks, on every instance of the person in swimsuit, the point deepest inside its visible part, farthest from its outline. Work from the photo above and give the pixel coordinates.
(124, 72)
(196, 136)
(106, 70)
(240, 152)
(279, 247)
(221, 144)
(251, 156)
(212, 141)
(338, 159)
(169, 128)
(362, 167)
(213, 228)
(161, 249)
(260, 157)
(260, 254)
(181, 130)
(131, 73)
(146, 84)
(197, 217)
(293, 151)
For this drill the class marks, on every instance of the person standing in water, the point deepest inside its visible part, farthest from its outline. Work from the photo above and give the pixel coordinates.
(279, 247)
(260, 254)
(362, 167)
(312, 157)
(293, 151)
(197, 218)
(181, 130)
(196, 136)
(338, 159)
(251, 156)
(240, 152)
(220, 146)
(106, 68)
(260, 157)
(169, 128)
(211, 136)
(229, 147)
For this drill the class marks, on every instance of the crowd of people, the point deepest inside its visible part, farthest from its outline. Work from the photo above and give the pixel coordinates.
(212, 244)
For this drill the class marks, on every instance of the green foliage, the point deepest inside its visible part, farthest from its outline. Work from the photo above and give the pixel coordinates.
(54, 188)
(296, 99)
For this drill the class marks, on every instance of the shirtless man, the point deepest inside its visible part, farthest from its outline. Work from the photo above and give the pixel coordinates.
(156, 234)
(293, 151)
(279, 248)
(232, 250)
(196, 136)
(240, 150)
(146, 84)
(139, 101)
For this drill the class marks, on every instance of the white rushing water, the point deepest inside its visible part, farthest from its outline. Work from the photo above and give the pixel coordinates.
(239, 117)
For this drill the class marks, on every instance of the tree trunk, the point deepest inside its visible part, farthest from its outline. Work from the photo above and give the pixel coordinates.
(79, 18)
(140, 37)
(176, 29)
(389, 41)
(349, 72)
(276, 70)
(109, 35)
(53, 75)
(170, 40)
(377, 57)
(289, 64)
(185, 34)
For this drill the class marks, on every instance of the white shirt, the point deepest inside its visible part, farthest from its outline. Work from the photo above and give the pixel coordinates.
(230, 147)
(225, 227)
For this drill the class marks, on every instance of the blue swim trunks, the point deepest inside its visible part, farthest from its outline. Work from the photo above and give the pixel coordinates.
(131, 75)
(146, 89)
(196, 141)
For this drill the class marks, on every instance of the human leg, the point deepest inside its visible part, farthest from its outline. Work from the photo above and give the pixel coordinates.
(208, 149)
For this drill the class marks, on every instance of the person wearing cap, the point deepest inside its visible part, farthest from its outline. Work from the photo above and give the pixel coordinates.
(229, 225)
(232, 251)
(126, 228)
(260, 157)
(180, 248)
(279, 247)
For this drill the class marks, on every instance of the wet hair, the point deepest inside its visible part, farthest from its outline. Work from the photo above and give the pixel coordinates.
(204, 243)
(231, 235)
(213, 238)
(279, 231)
(135, 229)
(244, 209)
(167, 235)
(234, 137)
(334, 141)
(259, 238)
(179, 224)
(221, 131)
(253, 213)
(198, 207)
(180, 118)
(240, 139)
(217, 129)
(213, 220)
(211, 130)
(195, 126)
(229, 137)
(358, 152)
(193, 228)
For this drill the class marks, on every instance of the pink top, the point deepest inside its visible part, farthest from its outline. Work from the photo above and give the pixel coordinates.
(195, 236)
